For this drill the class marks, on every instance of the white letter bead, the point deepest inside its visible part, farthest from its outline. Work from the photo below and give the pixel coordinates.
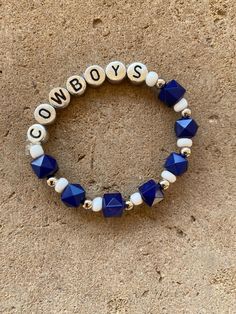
(137, 72)
(59, 97)
(115, 71)
(184, 142)
(36, 151)
(181, 105)
(97, 204)
(167, 175)
(76, 85)
(151, 79)
(45, 114)
(37, 133)
(61, 184)
(94, 75)
(136, 198)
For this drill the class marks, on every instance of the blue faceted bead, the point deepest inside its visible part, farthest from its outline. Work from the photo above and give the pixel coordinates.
(44, 166)
(176, 164)
(151, 192)
(113, 205)
(171, 93)
(73, 195)
(186, 127)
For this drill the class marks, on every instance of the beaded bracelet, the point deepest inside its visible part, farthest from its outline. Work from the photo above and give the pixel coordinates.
(112, 204)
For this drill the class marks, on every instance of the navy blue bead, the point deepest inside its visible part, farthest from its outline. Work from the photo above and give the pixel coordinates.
(113, 205)
(44, 166)
(186, 127)
(151, 192)
(171, 93)
(176, 164)
(73, 195)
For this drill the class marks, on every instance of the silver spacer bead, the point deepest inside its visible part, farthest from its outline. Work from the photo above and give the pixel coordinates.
(186, 113)
(185, 151)
(52, 182)
(164, 184)
(129, 205)
(87, 204)
(160, 83)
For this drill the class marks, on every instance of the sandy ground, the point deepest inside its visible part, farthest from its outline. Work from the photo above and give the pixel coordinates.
(178, 257)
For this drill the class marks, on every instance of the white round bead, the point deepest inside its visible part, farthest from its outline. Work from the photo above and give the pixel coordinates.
(151, 79)
(61, 184)
(184, 142)
(37, 133)
(45, 114)
(115, 71)
(136, 198)
(36, 151)
(167, 175)
(59, 97)
(76, 85)
(97, 204)
(137, 72)
(181, 105)
(94, 75)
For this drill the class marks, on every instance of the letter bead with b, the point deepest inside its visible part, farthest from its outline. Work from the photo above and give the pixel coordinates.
(76, 85)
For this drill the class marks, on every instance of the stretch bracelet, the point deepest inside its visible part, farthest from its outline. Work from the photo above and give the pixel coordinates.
(150, 192)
